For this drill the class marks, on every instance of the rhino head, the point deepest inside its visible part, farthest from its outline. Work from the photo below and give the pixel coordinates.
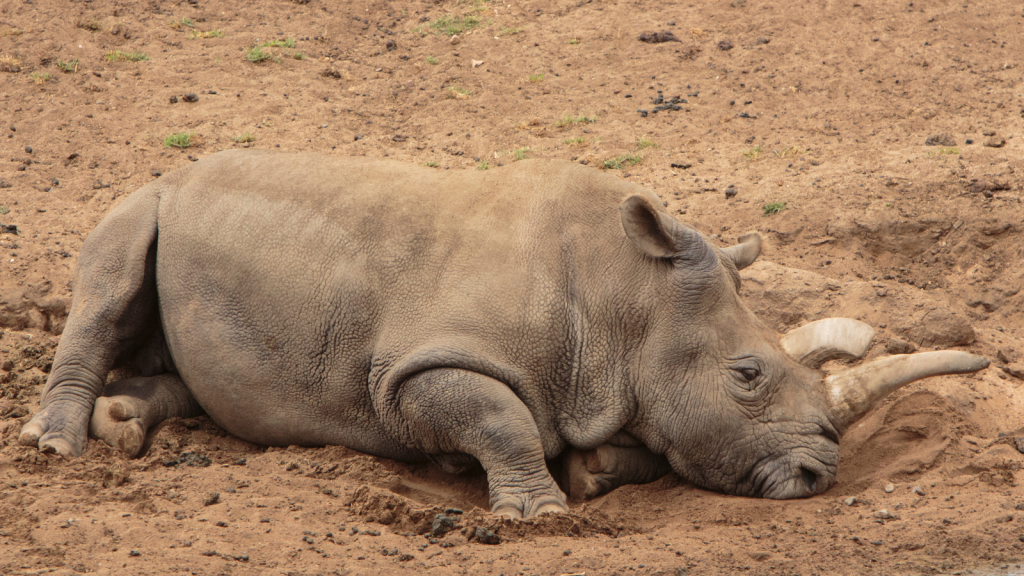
(734, 406)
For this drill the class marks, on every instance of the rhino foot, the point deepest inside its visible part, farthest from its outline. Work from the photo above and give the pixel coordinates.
(590, 473)
(128, 409)
(59, 428)
(532, 507)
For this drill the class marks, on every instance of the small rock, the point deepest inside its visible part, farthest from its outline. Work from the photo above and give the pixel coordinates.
(454, 40)
(8, 229)
(155, 173)
(730, 192)
(1015, 369)
(995, 142)
(681, 165)
(725, 45)
(884, 514)
(222, 524)
(968, 141)
(761, 40)
(876, 542)
(850, 501)
(658, 37)
(917, 490)
(485, 536)
(940, 140)
(898, 346)
(988, 132)
(211, 498)
(28, 149)
(476, 63)
(391, 45)
(453, 510)
(173, 99)
(190, 97)
(889, 488)
(442, 525)
(135, 553)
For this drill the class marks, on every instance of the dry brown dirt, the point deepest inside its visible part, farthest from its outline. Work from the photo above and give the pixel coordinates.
(823, 105)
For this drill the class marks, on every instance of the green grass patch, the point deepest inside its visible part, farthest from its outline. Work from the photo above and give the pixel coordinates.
(40, 77)
(4, 210)
(620, 162)
(430, 164)
(520, 153)
(122, 56)
(179, 140)
(457, 93)
(534, 78)
(646, 142)
(67, 65)
(452, 25)
(574, 121)
(256, 54)
(432, 60)
(948, 150)
(482, 165)
(573, 41)
(509, 31)
(793, 151)
(773, 208)
(184, 22)
(244, 137)
(754, 153)
(577, 141)
(286, 43)
(192, 35)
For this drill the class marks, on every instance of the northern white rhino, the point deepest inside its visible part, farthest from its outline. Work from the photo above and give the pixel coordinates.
(505, 318)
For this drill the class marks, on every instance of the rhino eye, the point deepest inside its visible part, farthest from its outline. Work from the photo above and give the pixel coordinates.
(749, 374)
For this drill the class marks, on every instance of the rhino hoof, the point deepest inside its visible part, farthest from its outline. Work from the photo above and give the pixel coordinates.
(586, 477)
(115, 421)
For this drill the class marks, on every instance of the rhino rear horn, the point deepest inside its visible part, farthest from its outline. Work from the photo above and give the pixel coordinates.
(744, 253)
(823, 340)
(852, 393)
(662, 236)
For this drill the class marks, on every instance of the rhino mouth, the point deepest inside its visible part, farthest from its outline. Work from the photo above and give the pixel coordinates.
(797, 474)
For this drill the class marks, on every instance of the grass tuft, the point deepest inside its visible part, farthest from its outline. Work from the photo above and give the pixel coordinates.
(577, 141)
(509, 31)
(646, 142)
(482, 165)
(620, 162)
(67, 66)
(773, 208)
(430, 164)
(40, 77)
(432, 60)
(193, 34)
(286, 43)
(452, 25)
(256, 54)
(244, 137)
(754, 153)
(520, 153)
(179, 140)
(122, 56)
(574, 120)
(4, 210)
(457, 93)
(534, 78)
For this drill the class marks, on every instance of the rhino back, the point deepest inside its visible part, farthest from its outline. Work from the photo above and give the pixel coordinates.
(296, 288)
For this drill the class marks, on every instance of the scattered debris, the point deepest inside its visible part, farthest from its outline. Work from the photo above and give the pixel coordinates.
(658, 37)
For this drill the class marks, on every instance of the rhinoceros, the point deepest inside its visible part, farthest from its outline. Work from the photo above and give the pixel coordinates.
(500, 318)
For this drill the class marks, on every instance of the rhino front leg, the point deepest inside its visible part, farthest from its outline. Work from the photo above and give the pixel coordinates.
(591, 473)
(449, 411)
(129, 409)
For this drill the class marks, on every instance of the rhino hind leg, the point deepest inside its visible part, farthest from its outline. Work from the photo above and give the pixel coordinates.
(129, 409)
(590, 473)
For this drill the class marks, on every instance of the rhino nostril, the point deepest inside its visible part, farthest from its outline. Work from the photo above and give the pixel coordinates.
(810, 479)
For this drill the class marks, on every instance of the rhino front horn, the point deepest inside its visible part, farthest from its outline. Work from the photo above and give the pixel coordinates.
(852, 393)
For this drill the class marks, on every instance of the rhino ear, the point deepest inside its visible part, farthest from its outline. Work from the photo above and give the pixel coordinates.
(659, 235)
(744, 253)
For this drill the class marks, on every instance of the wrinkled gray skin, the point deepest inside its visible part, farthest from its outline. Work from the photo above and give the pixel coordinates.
(499, 317)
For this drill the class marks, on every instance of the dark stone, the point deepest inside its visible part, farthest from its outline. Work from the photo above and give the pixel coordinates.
(390, 45)
(940, 140)
(995, 142)
(155, 173)
(190, 97)
(8, 229)
(442, 525)
(658, 37)
(897, 346)
(681, 165)
(28, 149)
(761, 40)
(730, 192)
(725, 45)
(485, 536)
(173, 99)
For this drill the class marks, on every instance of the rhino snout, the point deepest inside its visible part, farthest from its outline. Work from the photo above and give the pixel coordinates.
(793, 477)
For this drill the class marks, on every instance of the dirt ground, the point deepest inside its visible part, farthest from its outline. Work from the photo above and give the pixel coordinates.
(829, 107)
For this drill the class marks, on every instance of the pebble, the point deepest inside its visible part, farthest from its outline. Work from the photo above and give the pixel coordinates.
(390, 45)
(995, 142)
(454, 40)
(485, 536)
(173, 99)
(850, 501)
(28, 149)
(725, 45)
(730, 192)
(917, 490)
(889, 488)
(442, 525)
(211, 498)
(884, 514)
(940, 140)
(190, 97)
(761, 40)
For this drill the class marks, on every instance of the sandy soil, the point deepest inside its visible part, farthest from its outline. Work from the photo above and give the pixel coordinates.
(825, 106)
